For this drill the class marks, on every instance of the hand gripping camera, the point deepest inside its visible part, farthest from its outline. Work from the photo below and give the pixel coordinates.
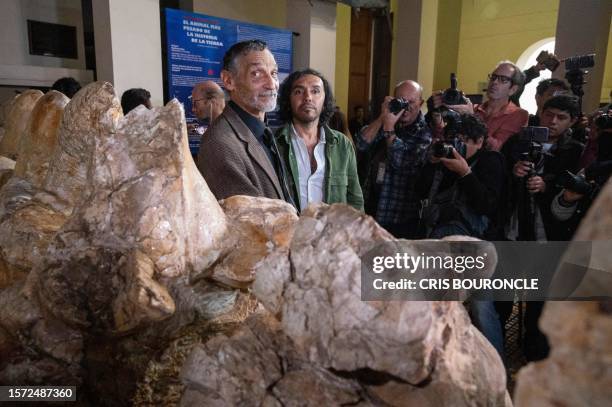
(451, 96)
(451, 119)
(397, 105)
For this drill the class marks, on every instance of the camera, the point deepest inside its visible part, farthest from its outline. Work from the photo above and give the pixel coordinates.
(529, 147)
(452, 123)
(580, 62)
(397, 105)
(604, 122)
(442, 149)
(451, 96)
(534, 134)
(550, 61)
(574, 73)
(575, 183)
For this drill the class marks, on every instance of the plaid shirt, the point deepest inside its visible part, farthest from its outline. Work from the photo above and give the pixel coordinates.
(398, 201)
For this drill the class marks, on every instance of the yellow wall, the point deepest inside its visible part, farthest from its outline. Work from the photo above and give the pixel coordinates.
(493, 30)
(265, 12)
(427, 46)
(343, 49)
(447, 42)
(606, 86)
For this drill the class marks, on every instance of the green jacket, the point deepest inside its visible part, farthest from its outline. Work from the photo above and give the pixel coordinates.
(341, 181)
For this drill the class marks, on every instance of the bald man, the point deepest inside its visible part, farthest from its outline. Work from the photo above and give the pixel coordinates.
(207, 100)
(397, 144)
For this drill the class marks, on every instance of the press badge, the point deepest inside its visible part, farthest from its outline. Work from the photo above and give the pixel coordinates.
(380, 175)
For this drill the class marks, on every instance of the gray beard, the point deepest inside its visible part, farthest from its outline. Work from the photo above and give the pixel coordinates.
(254, 101)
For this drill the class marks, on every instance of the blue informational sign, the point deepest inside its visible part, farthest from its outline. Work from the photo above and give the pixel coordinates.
(196, 44)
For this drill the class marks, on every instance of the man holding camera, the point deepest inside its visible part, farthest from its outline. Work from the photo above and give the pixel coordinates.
(464, 180)
(560, 153)
(579, 191)
(461, 190)
(536, 165)
(502, 117)
(396, 143)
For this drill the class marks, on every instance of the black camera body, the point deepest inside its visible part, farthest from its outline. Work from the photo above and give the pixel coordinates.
(397, 105)
(443, 149)
(580, 62)
(575, 183)
(604, 122)
(575, 72)
(529, 147)
(451, 96)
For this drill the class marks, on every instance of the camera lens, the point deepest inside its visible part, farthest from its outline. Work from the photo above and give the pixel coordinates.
(396, 105)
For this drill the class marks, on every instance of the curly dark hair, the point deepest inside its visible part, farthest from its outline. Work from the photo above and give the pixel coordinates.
(284, 96)
(473, 128)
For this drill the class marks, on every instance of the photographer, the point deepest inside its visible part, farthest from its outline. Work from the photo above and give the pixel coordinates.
(461, 194)
(534, 177)
(396, 144)
(462, 185)
(546, 89)
(579, 191)
(502, 117)
(536, 165)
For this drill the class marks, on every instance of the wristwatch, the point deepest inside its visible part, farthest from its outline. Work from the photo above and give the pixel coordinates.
(387, 134)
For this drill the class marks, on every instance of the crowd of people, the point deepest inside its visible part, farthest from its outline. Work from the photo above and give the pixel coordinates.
(480, 170)
(476, 170)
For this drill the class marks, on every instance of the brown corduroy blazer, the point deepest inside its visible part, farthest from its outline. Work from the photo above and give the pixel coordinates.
(233, 162)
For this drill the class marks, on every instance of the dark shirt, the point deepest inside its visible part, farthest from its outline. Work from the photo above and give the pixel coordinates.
(356, 125)
(256, 126)
(482, 186)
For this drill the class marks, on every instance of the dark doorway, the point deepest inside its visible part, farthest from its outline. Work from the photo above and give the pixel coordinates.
(381, 59)
(88, 34)
(360, 59)
(370, 60)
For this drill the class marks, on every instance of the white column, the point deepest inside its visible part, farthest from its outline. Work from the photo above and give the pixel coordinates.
(128, 45)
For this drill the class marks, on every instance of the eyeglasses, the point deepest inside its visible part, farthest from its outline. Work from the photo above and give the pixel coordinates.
(206, 99)
(500, 78)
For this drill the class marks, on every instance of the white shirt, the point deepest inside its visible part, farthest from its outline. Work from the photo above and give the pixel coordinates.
(311, 186)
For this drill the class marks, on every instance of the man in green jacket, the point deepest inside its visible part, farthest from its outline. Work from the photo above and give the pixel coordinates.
(320, 162)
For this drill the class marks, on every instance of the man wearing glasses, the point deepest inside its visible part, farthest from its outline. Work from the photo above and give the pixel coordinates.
(397, 145)
(207, 101)
(502, 117)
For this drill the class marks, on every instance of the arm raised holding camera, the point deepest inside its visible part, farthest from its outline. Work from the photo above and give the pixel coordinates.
(386, 120)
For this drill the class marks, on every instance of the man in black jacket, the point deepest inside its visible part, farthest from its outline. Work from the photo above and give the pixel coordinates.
(538, 180)
(534, 186)
(466, 186)
(461, 195)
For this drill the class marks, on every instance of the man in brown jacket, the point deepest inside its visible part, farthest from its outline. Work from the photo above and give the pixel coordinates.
(237, 154)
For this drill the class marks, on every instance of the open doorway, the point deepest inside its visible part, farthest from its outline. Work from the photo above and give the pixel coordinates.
(527, 60)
